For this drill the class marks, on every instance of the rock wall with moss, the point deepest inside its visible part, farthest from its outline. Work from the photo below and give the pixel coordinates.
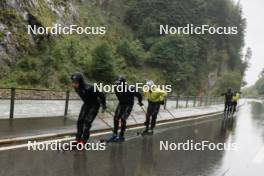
(15, 15)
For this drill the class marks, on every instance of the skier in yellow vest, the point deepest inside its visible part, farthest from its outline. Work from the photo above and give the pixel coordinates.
(155, 97)
(235, 99)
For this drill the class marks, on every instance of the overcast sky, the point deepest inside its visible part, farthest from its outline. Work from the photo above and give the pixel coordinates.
(254, 13)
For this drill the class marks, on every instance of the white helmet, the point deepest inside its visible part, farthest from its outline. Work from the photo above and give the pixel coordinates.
(149, 83)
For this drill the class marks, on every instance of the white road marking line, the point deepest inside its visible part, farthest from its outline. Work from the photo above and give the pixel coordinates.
(102, 133)
(259, 156)
(47, 142)
(26, 145)
(28, 137)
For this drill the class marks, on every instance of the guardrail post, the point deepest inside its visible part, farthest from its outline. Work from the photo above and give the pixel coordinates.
(165, 104)
(200, 101)
(67, 103)
(206, 101)
(194, 101)
(187, 101)
(215, 100)
(12, 102)
(177, 102)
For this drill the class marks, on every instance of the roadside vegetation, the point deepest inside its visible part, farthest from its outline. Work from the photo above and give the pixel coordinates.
(133, 47)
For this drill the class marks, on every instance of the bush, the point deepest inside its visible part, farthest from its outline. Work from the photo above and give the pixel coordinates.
(27, 78)
(132, 52)
(103, 68)
(177, 56)
(28, 63)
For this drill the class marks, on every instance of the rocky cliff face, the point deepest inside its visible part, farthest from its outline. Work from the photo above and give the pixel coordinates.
(15, 15)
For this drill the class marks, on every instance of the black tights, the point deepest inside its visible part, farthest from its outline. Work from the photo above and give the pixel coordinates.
(85, 120)
(116, 126)
(153, 110)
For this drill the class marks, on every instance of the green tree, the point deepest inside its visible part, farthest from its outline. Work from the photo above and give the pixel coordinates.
(133, 52)
(259, 86)
(178, 58)
(103, 67)
(229, 79)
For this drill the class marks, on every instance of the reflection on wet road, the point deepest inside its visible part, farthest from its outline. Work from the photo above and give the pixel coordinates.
(141, 156)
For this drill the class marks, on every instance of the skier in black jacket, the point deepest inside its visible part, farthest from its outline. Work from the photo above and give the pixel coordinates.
(124, 108)
(228, 100)
(92, 99)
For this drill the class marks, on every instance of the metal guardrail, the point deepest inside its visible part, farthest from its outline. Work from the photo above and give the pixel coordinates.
(22, 94)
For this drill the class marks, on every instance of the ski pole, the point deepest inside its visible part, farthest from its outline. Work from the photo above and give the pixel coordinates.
(107, 124)
(143, 110)
(170, 113)
(133, 118)
(146, 112)
(109, 112)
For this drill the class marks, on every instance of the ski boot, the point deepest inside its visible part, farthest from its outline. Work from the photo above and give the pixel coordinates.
(147, 132)
(112, 139)
(151, 132)
(79, 145)
(120, 139)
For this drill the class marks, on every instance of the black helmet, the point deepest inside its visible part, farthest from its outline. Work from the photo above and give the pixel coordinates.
(77, 78)
(120, 79)
(229, 89)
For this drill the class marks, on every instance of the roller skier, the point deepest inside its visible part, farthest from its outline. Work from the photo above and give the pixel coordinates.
(155, 97)
(92, 99)
(235, 99)
(228, 100)
(125, 98)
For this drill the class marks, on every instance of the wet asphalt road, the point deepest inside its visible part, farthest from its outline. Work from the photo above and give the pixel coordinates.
(141, 156)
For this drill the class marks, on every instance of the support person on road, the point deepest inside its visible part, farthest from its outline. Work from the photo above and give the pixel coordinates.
(124, 108)
(92, 99)
(235, 99)
(155, 98)
(228, 100)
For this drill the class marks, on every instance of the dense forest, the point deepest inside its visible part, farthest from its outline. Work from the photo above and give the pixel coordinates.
(132, 46)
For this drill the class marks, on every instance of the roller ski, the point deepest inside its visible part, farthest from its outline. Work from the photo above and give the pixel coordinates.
(120, 139)
(146, 133)
(110, 140)
(113, 139)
